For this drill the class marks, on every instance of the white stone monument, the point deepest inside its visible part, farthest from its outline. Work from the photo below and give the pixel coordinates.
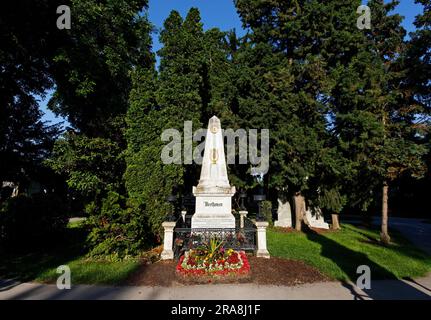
(213, 193)
(316, 220)
(284, 212)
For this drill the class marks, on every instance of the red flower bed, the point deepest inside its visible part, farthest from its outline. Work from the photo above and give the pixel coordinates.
(235, 264)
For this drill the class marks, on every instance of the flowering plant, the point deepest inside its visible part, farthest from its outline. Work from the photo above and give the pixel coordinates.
(213, 259)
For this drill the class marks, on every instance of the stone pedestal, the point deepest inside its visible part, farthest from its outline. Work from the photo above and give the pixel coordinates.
(284, 213)
(262, 251)
(213, 210)
(242, 216)
(168, 241)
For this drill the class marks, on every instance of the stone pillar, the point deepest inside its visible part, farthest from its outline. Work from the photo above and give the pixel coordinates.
(262, 250)
(168, 240)
(242, 216)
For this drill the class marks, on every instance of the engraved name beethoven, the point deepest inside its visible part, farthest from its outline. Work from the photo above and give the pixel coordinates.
(213, 204)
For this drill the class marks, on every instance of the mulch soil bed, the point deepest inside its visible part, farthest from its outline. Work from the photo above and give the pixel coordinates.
(274, 271)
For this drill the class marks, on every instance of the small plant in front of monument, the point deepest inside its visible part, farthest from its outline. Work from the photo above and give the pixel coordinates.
(213, 259)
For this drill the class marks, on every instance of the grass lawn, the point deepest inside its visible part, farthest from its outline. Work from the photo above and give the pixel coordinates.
(338, 254)
(42, 266)
(93, 272)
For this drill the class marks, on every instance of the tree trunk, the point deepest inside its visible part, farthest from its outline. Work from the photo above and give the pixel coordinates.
(335, 222)
(384, 235)
(299, 211)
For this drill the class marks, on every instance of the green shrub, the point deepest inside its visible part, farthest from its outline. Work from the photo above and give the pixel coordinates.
(267, 211)
(118, 229)
(31, 222)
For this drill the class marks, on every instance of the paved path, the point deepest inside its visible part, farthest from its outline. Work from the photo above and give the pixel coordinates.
(418, 231)
(383, 289)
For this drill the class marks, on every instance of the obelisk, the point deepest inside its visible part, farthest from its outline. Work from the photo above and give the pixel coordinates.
(213, 192)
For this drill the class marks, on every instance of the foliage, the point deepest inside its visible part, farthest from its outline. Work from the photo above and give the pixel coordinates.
(332, 200)
(179, 92)
(91, 66)
(147, 179)
(347, 108)
(92, 71)
(267, 212)
(332, 97)
(377, 132)
(285, 85)
(91, 165)
(211, 251)
(417, 58)
(118, 228)
(25, 140)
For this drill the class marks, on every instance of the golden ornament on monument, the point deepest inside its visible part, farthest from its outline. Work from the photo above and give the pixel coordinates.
(214, 156)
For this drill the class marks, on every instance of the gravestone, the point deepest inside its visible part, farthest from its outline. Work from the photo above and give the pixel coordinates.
(315, 219)
(284, 213)
(213, 192)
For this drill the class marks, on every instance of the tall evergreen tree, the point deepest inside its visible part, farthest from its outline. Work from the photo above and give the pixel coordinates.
(344, 95)
(415, 89)
(305, 42)
(376, 132)
(418, 60)
(400, 153)
(163, 101)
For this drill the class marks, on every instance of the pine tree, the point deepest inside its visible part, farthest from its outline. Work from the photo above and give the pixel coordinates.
(376, 133)
(417, 60)
(148, 180)
(301, 43)
(178, 93)
(415, 88)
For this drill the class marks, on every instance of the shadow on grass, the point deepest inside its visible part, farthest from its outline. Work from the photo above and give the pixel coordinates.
(399, 243)
(346, 259)
(349, 260)
(27, 266)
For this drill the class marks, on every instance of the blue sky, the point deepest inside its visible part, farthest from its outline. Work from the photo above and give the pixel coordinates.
(214, 13)
(221, 14)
